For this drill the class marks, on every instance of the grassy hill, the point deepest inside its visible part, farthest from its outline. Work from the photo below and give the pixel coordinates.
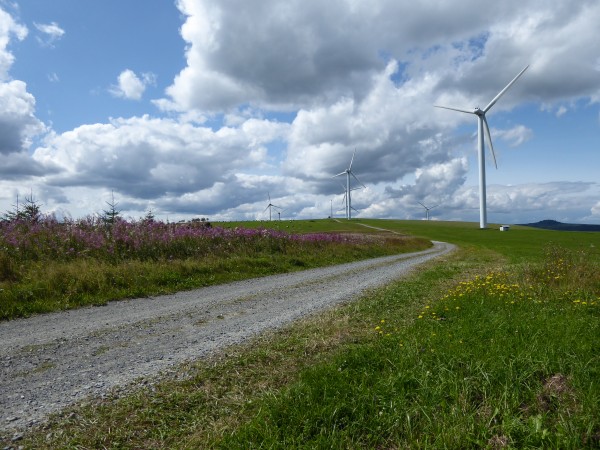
(559, 226)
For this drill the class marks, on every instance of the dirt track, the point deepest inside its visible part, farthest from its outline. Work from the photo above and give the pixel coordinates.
(50, 361)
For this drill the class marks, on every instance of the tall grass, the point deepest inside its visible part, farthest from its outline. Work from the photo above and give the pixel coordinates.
(46, 265)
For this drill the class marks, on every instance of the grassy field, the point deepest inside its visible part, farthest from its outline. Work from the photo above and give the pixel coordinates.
(495, 346)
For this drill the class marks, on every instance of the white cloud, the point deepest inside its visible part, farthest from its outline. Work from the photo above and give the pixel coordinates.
(523, 203)
(374, 91)
(515, 136)
(528, 203)
(346, 75)
(304, 53)
(146, 159)
(18, 123)
(51, 33)
(8, 28)
(130, 86)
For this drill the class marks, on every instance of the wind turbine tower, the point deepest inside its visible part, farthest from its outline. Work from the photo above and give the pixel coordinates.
(270, 206)
(482, 126)
(348, 172)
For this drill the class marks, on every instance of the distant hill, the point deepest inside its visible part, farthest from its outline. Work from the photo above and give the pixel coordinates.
(554, 225)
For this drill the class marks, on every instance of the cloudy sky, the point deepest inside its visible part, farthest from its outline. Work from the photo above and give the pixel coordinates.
(205, 108)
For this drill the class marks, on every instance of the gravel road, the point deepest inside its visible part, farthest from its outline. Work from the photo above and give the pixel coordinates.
(53, 360)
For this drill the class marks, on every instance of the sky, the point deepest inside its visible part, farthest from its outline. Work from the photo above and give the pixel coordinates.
(216, 108)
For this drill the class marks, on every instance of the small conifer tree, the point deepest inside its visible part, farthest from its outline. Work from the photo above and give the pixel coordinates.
(30, 211)
(112, 214)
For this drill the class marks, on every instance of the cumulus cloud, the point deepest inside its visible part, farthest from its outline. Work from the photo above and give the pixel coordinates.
(523, 203)
(436, 184)
(51, 32)
(8, 29)
(18, 124)
(20, 166)
(514, 136)
(159, 159)
(392, 139)
(538, 201)
(130, 86)
(305, 53)
(354, 88)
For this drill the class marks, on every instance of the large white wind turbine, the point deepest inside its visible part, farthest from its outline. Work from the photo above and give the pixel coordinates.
(349, 172)
(427, 209)
(481, 126)
(270, 206)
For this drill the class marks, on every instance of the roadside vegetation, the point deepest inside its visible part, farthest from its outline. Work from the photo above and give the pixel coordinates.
(495, 346)
(47, 265)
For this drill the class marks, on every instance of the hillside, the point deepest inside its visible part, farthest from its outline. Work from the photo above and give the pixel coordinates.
(559, 226)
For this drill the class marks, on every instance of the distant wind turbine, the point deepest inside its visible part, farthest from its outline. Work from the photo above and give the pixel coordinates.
(345, 197)
(270, 206)
(279, 211)
(481, 125)
(427, 209)
(349, 172)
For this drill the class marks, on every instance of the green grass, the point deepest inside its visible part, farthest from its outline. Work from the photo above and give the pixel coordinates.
(302, 226)
(518, 245)
(492, 362)
(495, 346)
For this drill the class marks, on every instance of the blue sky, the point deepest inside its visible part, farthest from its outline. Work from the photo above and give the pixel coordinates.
(69, 75)
(204, 108)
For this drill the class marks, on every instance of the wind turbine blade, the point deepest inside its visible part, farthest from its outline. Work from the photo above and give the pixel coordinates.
(352, 173)
(455, 109)
(434, 206)
(269, 197)
(501, 93)
(267, 208)
(489, 138)
(341, 173)
(352, 160)
(422, 205)
(354, 209)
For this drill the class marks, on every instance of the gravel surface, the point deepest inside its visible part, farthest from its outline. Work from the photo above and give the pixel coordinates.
(53, 360)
